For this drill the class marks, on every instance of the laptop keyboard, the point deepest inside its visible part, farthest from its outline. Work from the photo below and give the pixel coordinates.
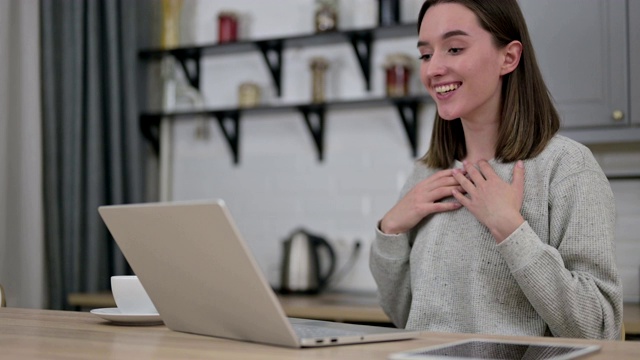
(310, 331)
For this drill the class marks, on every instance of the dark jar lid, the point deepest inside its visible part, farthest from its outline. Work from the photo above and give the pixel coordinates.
(227, 14)
(398, 59)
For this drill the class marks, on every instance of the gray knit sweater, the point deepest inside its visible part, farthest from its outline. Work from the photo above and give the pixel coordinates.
(555, 275)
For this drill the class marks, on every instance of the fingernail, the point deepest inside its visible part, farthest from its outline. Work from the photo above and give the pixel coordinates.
(520, 164)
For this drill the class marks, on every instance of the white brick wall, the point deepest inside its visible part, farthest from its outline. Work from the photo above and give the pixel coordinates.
(279, 185)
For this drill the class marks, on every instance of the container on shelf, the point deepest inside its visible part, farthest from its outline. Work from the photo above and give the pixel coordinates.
(319, 66)
(171, 10)
(326, 18)
(227, 26)
(365, 14)
(398, 68)
(248, 95)
(388, 12)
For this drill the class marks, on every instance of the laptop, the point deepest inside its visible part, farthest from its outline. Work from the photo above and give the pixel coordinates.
(203, 279)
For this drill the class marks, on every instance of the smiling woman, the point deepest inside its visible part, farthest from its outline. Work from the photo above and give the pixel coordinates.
(526, 109)
(504, 227)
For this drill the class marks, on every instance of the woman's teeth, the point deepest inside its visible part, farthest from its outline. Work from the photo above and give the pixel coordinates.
(446, 88)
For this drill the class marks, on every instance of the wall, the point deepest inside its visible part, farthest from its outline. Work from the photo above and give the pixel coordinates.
(22, 266)
(279, 185)
(616, 160)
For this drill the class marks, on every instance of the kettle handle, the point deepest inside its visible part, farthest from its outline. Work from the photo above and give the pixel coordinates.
(324, 278)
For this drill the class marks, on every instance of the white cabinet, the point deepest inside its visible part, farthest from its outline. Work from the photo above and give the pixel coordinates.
(582, 47)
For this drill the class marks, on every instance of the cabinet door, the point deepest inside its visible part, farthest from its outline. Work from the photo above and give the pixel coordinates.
(581, 46)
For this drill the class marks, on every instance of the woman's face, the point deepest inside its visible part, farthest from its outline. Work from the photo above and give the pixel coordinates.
(461, 67)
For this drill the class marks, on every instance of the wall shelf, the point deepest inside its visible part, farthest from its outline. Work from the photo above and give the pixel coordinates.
(271, 49)
(313, 115)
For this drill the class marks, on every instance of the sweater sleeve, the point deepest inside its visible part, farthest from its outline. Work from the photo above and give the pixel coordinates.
(573, 282)
(389, 264)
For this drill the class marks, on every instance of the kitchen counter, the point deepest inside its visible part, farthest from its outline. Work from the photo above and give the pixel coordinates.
(333, 306)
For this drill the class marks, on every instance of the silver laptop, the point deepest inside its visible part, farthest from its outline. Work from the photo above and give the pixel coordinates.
(203, 279)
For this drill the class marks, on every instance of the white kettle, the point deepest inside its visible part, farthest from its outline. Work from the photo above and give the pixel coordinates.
(308, 262)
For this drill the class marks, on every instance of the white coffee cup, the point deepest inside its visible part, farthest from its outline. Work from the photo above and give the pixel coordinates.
(130, 296)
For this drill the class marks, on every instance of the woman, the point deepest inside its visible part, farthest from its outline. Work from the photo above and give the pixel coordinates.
(474, 245)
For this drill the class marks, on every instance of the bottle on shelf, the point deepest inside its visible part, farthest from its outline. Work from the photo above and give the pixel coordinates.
(171, 10)
(388, 12)
(326, 18)
(319, 66)
(248, 95)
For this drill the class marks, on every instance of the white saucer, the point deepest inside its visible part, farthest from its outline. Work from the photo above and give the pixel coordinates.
(114, 315)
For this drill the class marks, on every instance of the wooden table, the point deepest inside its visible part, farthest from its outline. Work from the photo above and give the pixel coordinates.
(344, 307)
(35, 334)
(631, 314)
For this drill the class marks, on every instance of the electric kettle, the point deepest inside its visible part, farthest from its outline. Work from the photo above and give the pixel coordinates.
(308, 262)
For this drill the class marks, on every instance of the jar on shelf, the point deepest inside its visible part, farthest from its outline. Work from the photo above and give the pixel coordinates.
(248, 95)
(319, 66)
(227, 26)
(388, 12)
(170, 23)
(398, 68)
(326, 18)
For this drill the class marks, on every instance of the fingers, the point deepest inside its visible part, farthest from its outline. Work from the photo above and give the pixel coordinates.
(518, 177)
(442, 182)
(463, 200)
(441, 174)
(474, 175)
(445, 206)
(440, 179)
(443, 192)
(487, 170)
(485, 175)
(465, 183)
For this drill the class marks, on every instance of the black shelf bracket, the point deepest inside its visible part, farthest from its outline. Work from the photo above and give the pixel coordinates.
(190, 62)
(408, 111)
(361, 43)
(229, 122)
(313, 116)
(272, 52)
(150, 128)
(314, 119)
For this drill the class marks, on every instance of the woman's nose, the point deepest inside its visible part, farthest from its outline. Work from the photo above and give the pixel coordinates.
(435, 66)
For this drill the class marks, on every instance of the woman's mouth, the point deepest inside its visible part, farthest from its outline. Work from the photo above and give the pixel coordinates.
(445, 89)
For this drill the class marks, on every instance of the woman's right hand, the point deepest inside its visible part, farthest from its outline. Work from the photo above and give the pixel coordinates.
(422, 201)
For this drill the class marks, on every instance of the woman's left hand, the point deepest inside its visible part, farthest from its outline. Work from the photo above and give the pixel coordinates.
(494, 202)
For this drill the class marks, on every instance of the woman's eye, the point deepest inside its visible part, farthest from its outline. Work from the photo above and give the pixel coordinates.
(425, 57)
(455, 51)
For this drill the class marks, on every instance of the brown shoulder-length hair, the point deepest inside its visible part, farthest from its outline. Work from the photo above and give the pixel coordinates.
(528, 117)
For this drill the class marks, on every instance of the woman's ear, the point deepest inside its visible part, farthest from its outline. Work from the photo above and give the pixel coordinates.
(512, 53)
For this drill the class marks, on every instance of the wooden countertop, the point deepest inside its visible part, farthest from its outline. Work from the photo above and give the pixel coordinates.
(37, 334)
(343, 307)
(631, 315)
